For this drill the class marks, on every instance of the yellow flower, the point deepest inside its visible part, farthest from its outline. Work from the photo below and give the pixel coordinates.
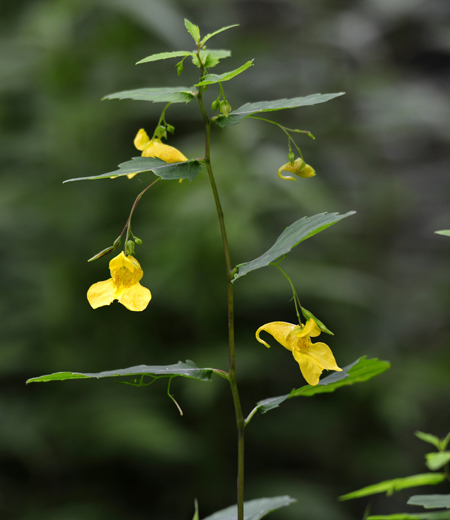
(155, 148)
(123, 286)
(299, 167)
(313, 358)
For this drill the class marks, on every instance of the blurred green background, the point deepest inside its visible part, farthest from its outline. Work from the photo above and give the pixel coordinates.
(380, 279)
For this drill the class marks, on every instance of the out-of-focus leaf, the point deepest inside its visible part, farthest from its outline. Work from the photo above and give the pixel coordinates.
(360, 370)
(253, 509)
(249, 109)
(428, 437)
(430, 501)
(210, 79)
(396, 484)
(193, 30)
(167, 171)
(158, 95)
(441, 515)
(211, 57)
(183, 369)
(437, 460)
(208, 36)
(309, 315)
(297, 232)
(164, 56)
(445, 441)
(445, 232)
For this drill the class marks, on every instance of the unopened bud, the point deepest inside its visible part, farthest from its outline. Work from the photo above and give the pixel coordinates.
(161, 132)
(179, 68)
(291, 157)
(138, 241)
(102, 253)
(225, 108)
(130, 248)
(117, 242)
(215, 104)
(170, 128)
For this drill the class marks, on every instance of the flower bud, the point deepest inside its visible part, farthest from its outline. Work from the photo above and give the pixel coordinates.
(170, 128)
(161, 132)
(179, 68)
(138, 241)
(299, 167)
(215, 104)
(291, 157)
(102, 253)
(130, 248)
(225, 108)
(117, 242)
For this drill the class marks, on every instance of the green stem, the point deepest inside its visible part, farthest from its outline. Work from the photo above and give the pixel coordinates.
(232, 369)
(294, 292)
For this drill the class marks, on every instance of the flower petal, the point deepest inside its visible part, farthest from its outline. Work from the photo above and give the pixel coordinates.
(124, 261)
(325, 358)
(279, 330)
(136, 297)
(167, 153)
(310, 329)
(310, 369)
(101, 293)
(141, 140)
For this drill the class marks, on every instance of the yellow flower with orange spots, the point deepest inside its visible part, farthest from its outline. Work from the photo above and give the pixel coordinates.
(123, 286)
(313, 358)
(299, 168)
(155, 148)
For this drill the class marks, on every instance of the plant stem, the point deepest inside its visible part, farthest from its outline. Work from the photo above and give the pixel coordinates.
(232, 370)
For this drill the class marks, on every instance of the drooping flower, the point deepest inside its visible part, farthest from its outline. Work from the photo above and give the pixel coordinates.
(299, 167)
(155, 148)
(313, 358)
(123, 286)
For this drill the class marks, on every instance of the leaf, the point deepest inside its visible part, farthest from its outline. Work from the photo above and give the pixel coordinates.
(309, 315)
(167, 171)
(441, 515)
(210, 79)
(253, 509)
(193, 30)
(445, 232)
(430, 501)
(445, 441)
(360, 370)
(249, 109)
(437, 460)
(210, 57)
(292, 236)
(183, 369)
(396, 484)
(208, 36)
(196, 517)
(158, 95)
(428, 437)
(164, 56)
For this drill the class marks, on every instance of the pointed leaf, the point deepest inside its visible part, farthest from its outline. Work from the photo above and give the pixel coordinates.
(183, 369)
(167, 171)
(158, 95)
(196, 517)
(445, 442)
(396, 484)
(445, 232)
(210, 79)
(249, 109)
(210, 57)
(430, 501)
(208, 36)
(164, 56)
(357, 372)
(437, 460)
(427, 437)
(253, 509)
(441, 515)
(292, 236)
(309, 315)
(193, 30)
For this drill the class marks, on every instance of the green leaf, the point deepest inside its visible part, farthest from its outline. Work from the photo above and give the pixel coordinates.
(158, 95)
(249, 109)
(193, 30)
(360, 370)
(208, 36)
(427, 437)
(309, 315)
(445, 441)
(210, 57)
(297, 232)
(441, 515)
(196, 517)
(183, 369)
(253, 509)
(210, 79)
(437, 460)
(430, 501)
(445, 232)
(167, 171)
(164, 56)
(396, 484)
